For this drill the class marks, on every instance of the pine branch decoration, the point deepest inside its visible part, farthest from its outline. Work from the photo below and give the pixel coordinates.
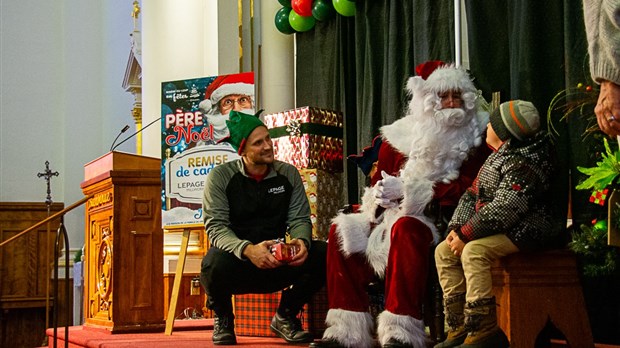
(591, 244)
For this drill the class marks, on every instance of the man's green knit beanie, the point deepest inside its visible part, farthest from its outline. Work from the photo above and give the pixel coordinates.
(240, 126)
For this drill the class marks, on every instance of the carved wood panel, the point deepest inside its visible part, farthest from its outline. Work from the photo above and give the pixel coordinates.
(25, 267)
(124, 252)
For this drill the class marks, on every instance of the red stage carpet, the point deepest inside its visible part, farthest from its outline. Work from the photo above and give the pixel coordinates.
(186, 334)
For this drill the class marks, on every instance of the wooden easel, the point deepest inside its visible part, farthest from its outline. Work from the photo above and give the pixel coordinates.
(178, 275)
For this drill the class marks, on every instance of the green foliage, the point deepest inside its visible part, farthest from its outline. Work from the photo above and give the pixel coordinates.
(598, 258)
(605, 172)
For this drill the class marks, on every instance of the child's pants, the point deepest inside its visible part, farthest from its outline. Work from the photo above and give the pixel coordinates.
(470, 273)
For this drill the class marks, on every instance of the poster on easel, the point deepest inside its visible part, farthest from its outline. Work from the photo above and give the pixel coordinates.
(193, 119)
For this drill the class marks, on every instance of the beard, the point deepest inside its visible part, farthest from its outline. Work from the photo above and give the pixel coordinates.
(218, 122)
(441, 140)
(261, 158)
(452, 117)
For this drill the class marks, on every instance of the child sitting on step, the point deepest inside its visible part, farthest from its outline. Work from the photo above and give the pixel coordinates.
(506, 210)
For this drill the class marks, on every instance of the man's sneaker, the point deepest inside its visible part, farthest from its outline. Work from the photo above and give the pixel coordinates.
(224, 330)
(289, 328)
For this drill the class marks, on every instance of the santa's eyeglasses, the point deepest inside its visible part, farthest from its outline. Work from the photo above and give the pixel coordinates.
(242, 101)
(451, 96)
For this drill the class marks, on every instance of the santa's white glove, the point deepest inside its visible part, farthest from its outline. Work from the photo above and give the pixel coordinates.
(388, 191)
(385, 203)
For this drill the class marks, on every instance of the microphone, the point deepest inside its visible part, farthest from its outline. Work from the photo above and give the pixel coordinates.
(134, 134)
(119, 134)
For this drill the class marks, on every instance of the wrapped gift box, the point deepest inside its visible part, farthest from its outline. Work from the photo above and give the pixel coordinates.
(308, 137)
(253, 313)
(284, 252)
(317, 312)
(324, 191)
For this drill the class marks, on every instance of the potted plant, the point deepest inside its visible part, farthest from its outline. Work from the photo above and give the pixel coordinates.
(598, 259)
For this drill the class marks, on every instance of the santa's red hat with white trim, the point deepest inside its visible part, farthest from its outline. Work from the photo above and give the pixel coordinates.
(224, 85)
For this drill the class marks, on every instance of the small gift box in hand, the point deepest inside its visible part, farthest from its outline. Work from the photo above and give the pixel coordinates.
(284, 252)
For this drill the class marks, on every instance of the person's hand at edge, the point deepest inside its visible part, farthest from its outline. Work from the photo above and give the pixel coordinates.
(607, 108)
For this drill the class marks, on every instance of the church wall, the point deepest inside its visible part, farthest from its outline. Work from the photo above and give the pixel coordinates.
(62, 69)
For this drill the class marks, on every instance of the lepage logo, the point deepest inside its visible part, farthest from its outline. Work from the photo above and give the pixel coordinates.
(276, 190)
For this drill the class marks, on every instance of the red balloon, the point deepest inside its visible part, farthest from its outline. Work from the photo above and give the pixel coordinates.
(302, 7)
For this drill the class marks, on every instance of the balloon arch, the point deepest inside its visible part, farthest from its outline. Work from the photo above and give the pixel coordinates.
(301, 15)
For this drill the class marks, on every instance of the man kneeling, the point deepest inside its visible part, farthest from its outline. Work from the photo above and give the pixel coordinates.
(248, 204)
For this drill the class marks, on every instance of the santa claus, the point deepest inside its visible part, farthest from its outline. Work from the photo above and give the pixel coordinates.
(432, 154)
(226, 93)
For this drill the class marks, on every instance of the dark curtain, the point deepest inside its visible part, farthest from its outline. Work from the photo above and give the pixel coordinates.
(532, 50)
(359, 65)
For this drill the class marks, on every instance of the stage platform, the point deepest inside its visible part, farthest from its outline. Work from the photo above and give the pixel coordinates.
(186, 334)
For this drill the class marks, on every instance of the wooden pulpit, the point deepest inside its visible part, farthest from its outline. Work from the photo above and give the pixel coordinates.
(123, 277)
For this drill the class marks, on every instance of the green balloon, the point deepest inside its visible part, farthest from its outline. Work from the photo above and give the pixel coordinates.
(285, 3)
(322, 9)
(345, 7)
(281, 20)
(301, 23)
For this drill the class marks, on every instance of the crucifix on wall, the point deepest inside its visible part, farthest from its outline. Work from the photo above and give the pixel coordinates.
(47, 174)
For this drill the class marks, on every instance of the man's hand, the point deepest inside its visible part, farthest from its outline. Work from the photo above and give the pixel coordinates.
(455, 243)
(607, 108)
(302, 253)
(260, 255)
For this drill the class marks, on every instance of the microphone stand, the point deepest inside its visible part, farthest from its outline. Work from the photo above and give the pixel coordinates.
(119, 134)
(134, 134)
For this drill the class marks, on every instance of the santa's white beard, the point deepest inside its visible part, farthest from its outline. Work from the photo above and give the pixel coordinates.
(451, 117)
(440, 142)
(218, 122)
